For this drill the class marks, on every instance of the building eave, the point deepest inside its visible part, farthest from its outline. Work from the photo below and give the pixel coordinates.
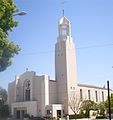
(91, 86)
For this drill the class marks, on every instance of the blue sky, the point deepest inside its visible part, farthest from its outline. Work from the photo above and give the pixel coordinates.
(92, 31)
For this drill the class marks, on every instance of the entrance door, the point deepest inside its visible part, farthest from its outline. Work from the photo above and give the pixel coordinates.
(18, 114)
(23, 113)
(59, 113)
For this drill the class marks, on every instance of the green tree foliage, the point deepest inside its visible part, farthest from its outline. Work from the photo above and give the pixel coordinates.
(88, 105)
(4, 109)
(7, 48)
(3, 95)
(101, 109)
(111, 103)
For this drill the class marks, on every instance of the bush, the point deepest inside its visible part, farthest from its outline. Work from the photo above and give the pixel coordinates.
(76, 116)
(38, 118)
(100, 117)
(4, 111)
(26, 116)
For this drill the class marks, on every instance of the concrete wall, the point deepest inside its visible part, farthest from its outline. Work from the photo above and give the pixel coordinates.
(93, 93)
(11, 92)
(39, 91)
(85, 88)
(30, 106)
(53, 108)
(52, 92)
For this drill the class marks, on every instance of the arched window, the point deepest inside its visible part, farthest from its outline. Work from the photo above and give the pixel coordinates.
(27, 90)
(64, 30)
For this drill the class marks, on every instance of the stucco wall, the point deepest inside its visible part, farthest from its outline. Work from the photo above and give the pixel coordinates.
(39, 91)
(11, 92)
(52, 92)
(31, 107)
(93, 94)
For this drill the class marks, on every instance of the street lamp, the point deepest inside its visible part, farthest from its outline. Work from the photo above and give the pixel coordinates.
(20, 13)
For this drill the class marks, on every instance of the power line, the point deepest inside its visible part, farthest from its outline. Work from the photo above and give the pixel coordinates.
(95, 46)
(86, 47)
(51, 51)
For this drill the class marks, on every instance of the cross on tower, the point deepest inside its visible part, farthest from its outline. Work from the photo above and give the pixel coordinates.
(62, 3)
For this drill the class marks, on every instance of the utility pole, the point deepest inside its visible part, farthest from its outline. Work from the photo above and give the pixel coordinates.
(109, 110)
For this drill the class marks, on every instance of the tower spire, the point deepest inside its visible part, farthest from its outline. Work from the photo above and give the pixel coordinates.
(62, 3)
(63, 12)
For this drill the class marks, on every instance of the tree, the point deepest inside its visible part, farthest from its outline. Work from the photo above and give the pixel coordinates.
(7, 48)
(88, 105)
(74, 102)
(4, 109)
(111, 103)
(101, 108)
(3, 95)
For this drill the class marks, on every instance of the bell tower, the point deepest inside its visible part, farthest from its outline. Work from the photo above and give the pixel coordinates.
(65, 62)
(64, 27)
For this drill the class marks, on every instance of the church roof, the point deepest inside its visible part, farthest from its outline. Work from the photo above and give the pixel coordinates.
(91, 86)
(64, 20)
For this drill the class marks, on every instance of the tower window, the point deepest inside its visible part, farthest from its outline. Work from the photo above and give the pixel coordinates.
(64, 31)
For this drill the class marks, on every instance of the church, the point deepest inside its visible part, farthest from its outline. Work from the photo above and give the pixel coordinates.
(40, 96)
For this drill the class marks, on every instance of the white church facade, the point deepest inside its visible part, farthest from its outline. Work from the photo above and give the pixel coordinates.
(40, 96)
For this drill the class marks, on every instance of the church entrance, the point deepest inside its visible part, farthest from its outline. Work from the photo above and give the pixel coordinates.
(20, 113)
(55, 110)
(59, 113)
